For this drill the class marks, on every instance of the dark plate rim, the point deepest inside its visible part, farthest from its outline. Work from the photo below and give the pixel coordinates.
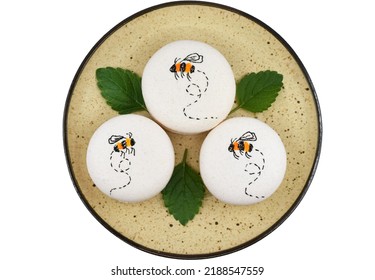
(205, 255)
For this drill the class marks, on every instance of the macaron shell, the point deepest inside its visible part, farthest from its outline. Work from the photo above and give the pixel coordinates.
(248, 174)
(130, 168)
(188, 102)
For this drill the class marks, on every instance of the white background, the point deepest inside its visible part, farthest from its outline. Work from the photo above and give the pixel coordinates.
(46, 231)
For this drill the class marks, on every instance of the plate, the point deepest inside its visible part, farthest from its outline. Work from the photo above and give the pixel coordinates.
(250, 46)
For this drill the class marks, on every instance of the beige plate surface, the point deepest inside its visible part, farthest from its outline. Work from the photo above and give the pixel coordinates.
(250, 46)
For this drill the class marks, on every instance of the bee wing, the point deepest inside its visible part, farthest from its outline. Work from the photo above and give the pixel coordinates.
(115, 138)
(194, 57)
(248, 136)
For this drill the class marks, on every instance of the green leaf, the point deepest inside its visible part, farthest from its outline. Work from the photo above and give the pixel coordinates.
(184, 192)
(121, 89)
(257, 91)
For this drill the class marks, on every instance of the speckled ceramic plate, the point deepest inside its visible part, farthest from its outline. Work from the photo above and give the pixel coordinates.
(250, 46)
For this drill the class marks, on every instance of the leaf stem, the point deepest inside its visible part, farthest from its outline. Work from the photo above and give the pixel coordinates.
(235, 109)
(185, 156)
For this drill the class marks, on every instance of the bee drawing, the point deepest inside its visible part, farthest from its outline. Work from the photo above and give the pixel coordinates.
(185, 66)
(242, 145)
(123, 144)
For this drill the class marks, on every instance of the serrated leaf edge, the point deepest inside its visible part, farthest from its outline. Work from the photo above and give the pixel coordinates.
(186, 170)
(136, 97)
(244, 83)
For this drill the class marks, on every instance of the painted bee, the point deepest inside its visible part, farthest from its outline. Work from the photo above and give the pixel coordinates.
(183, 66)
(123, 144)
(242, 144)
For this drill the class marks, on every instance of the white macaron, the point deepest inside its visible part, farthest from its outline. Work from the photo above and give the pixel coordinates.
(242, 161)
(188, 87)
(130, 158)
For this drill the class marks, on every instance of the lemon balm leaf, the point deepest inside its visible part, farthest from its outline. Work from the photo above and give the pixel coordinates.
(121, 88)
(256, 92)
(184, 192)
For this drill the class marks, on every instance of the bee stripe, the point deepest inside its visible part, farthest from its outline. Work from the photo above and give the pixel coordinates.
(235, 146)
(119, 146)
(178, 65)
(247, 147)
(128, 142)
(188, 67)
